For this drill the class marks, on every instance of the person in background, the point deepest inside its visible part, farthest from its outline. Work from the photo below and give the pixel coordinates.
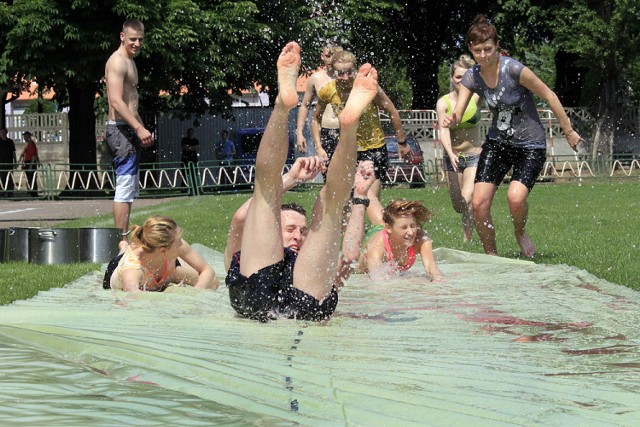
(330, 126)
(156, 257)
(225, 152)
(30, 162)
(190, 148)
(396, 237)
(125, 132)
(370, 135)
(516, 138)
(7, 163)
(226, 147)
(190, 153)
(462, 145)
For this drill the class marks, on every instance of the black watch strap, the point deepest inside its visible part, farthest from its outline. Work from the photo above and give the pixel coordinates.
(359, 201)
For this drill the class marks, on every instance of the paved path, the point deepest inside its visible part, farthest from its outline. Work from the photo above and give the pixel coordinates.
(42, 213)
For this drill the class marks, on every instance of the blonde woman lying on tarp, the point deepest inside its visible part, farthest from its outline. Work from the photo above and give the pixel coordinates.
(395, 239)
(150, 262)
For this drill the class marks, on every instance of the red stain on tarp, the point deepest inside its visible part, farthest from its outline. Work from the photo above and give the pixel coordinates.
(539, 337)
(614, 349)
(136, 379)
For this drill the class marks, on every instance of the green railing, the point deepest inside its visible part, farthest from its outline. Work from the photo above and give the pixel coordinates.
(64, 181)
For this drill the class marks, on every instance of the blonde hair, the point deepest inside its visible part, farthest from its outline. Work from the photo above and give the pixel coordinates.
(335, 49)
(343, 57)
(157, 232)
(464, 61)
(403, 207)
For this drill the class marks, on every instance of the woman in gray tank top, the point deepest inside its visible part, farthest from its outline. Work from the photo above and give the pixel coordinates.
(516, 138)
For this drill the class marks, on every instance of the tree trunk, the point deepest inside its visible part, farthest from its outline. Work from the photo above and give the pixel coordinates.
(424, 79)
(82, 125)
(5, 99)
(569, 79)
(422, 53)
(82, 139)
(606, 119)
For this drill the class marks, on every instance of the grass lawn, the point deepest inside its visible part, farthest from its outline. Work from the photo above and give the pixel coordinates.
(594, 226)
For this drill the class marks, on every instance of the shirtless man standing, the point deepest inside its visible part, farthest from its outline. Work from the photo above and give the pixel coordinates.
(125, 132)
(330, 125)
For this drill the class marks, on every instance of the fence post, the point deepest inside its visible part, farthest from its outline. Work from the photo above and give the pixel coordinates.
(192, 177)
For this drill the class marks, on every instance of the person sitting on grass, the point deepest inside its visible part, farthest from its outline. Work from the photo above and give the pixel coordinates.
(395, 239)
(150, 262)
(267, 280)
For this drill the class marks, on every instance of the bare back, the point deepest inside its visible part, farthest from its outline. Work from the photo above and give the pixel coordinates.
(319, 79)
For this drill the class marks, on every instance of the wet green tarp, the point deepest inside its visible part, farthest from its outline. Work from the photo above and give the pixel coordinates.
(502, 342)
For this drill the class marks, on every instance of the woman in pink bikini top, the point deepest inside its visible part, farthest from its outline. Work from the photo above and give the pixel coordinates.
(395, 239)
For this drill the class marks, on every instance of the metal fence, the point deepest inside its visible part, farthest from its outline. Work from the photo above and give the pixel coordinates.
(61, 181)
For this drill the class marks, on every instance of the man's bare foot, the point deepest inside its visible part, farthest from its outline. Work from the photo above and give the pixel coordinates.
(365, 88)
(527, 248)
(288, 68)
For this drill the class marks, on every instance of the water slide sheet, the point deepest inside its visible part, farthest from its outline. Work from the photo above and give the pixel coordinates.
(502, 342)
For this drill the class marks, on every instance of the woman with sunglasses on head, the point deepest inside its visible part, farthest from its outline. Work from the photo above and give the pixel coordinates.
(330, 125)
(462, 145)
(370, 135)
(516, 138)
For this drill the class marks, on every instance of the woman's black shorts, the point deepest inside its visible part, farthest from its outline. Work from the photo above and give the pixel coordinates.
(498, 157)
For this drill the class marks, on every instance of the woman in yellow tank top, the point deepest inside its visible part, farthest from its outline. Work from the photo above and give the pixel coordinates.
(462, 145)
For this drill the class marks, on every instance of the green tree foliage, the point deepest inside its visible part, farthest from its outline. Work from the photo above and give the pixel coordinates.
(197, 50)
(602, 36)
(194, 51)
(11, 83)
(407, 39)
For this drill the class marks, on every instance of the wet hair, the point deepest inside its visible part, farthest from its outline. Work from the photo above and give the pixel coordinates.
(343, 57)
(294, 207)
(403, 207)
(464, 61)
(481, 30)
(157, 232)
(134, 24)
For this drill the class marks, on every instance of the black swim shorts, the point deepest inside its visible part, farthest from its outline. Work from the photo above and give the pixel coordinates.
(498, 157)
(269, 293)
(329, 142)
(380, 158)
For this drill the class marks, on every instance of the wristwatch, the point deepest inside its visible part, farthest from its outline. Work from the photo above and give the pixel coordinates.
(359, 201)
(402, 142)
